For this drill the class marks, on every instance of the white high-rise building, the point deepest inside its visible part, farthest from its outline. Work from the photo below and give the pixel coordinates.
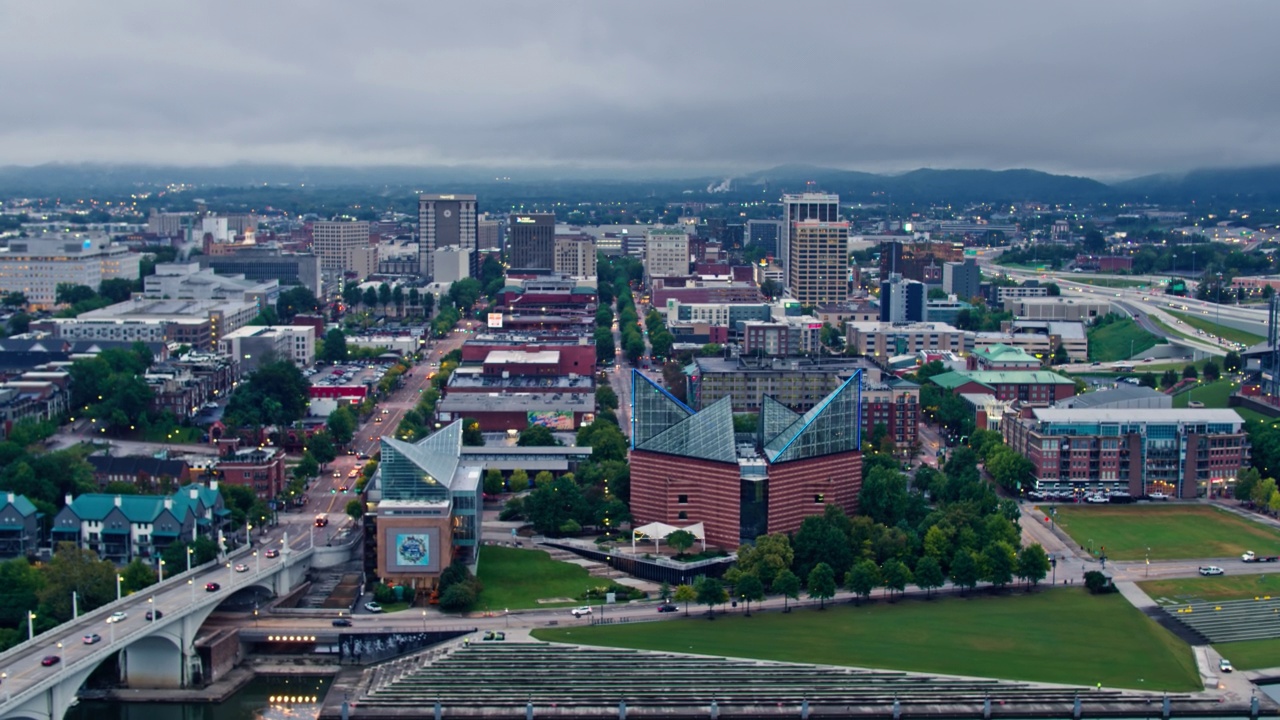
(822, 207)
(36, 267)
(337, 243)
(666, 253)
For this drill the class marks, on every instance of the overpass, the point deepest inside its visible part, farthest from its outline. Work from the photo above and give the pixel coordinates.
(157, 653)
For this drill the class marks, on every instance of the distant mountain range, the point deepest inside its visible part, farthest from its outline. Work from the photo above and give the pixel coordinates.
(1258, 184)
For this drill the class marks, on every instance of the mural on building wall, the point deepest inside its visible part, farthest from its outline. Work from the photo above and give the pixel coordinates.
(552, 419)
(413, 549)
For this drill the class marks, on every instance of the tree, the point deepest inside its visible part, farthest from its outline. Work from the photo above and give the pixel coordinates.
(342, 424)
(710, 592)
(384, 296)
(895, 575)
(928, 574)
(1060, 356)
(355, 509)
(518, 481)
(138, 575)
(370, 298)
(321, 448)
(863, 578)
(1052, 290)
(493, 482)
(334, 349)
(1169, 378)
(20, 581)
(1147, 379)
(537, 436)
(767, 559)
(999, 563)
(884, 496)
(1211, 371)
(472, 436)
(1033, 563)
(458, 597)
(606, 398)
(787, 584)
(964, 570)
(685, 594)
(295, 301)
(749, 588)
(681, 540)
(1190, 373)
(1009, 468)
(821, 540)
(1097, 583)
(13, 300)
(553, 506)
(1231, 363)
(307, 467)
(75, 570)
(822, 584)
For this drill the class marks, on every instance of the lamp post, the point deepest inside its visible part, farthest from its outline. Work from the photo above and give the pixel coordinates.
(248, 534)
(257, 561)
(162, 570)
(1147, 573)
(191, 583)
(1218, 319)
(151, 604)
(424, 621)
(31, 624)
(190, 552)
(231, 573)
(75, 606)
(119, 579)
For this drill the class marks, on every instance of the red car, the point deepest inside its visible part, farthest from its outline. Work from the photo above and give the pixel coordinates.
(273, 553)
(212, 587)
(49, 660)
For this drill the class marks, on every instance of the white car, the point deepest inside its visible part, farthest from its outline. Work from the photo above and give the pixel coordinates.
(373, 607)
(1158, 496)
(1225, 666)
(241, 567)
(1211, 570)
(117, 617)
(580, 611)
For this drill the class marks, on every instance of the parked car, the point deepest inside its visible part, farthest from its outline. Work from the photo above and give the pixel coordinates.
(373, 607)
(212, 587)
(1158, 496)
(117, 617)
(1225, 666)
(50, 660)
(272, 553)
(1211, 570)
(92, 638)
(342, 622)
(580, 611)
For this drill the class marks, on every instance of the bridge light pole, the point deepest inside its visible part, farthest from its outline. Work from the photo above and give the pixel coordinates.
(151, 603)
(119, 578)
(248, 534)
(192, 584)
(257, 561)
(190, 552)
(161, 569)
(31, 624)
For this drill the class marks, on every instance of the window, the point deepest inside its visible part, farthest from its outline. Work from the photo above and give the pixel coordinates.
(682, 499)
(682, 515)
(819, 498)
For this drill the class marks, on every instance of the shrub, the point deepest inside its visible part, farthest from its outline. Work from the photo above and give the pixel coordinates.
(1098, 583)
(383, 593)
(458, 598)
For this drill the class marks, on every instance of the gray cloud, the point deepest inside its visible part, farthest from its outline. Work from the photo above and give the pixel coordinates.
(1098, 88)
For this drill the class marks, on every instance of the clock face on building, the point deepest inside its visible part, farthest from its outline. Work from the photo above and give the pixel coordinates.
(448, 213)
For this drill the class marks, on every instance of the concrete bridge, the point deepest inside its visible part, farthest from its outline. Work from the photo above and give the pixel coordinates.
(157, 653)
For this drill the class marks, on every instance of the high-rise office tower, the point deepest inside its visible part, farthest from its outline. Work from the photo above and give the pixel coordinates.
(531, 243)
(666, 253)
(764, 234)
(902, 300)
(818, 262)
(798, 208)
(962, 279)
(337, 243)
(443, 221)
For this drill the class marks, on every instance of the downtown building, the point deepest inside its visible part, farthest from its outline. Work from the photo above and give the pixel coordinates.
(817, 262)
(690, 467)
(531, 244)
(344, 247)
(1185, 453)
(446, 221)
(36, 267)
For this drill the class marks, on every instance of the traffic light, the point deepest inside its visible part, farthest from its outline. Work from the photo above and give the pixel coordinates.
(333, 491)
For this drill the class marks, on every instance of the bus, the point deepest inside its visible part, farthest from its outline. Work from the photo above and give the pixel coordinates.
(1122, 367)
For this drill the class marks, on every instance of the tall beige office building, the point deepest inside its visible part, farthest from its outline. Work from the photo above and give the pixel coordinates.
(666, 253)
(338, 244)
(798, 208)
(445, 220)
(818, 262)
(575, 256)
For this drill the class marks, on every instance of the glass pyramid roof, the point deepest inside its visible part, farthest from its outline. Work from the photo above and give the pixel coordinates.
(421, 470)
(833, 425)
(707, 435)
(774, 418)
(653, 409)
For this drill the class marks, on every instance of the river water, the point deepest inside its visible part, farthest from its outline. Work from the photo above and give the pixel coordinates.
(264, 698)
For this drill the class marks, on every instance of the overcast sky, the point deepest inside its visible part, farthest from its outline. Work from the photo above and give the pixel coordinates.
(1105, 89)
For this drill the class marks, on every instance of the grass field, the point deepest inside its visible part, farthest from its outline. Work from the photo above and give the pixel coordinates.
(1172, 531)
(515, 578)
(1213, 394)
(1060, 636)
(1212, 589)
(1253, 416)
(1117, 340)
(1206, 323)
(1111, 282)
(1170, 330)
(1251, 654)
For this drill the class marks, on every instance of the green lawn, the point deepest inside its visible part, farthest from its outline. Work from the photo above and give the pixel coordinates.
(1206, 323)
(1212, 589)
(1251, 654)
(179, 434)
(518, 579)
(1253, 416)
(1115, 341)
(1172, 331)
(1213, 394)
(1059, 636)
(1110, 282)
(1173, 531)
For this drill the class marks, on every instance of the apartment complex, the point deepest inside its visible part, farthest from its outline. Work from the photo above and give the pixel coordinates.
(1185, 453)
(36, 267)
(575, 256)
(884, 340)
(198, 323)
(252, 345)
(445, 220)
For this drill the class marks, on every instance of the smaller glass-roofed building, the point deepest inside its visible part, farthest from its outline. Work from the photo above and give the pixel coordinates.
(689, 467)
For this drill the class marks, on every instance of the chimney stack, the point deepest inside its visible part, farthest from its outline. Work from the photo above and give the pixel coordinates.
(119, 501)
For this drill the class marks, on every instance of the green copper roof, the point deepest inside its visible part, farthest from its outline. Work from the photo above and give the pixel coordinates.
(953, 380)
(1006, 353)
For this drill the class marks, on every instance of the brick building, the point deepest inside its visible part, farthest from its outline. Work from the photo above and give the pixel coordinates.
(689, 467)
(1039, 387)
(259, 468)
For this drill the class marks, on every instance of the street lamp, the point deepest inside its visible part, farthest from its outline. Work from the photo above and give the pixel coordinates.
(257, 561)
(190, 552)
(424, 621)
(119, 579)
(248, 534)
(162, 570)
(1218, 319)
(151, 604)
(191, 583)
(1148, 570)
(31, 624)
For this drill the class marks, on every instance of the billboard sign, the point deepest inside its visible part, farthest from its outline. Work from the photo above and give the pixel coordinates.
(495, 320)
(551, 419)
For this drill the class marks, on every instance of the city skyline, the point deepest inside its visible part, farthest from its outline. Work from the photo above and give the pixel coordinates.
(1091, 88)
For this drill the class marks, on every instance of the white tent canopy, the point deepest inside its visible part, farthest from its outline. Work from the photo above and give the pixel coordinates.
(658, 531)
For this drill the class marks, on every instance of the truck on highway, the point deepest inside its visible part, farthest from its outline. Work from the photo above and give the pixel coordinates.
(1252, 557)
